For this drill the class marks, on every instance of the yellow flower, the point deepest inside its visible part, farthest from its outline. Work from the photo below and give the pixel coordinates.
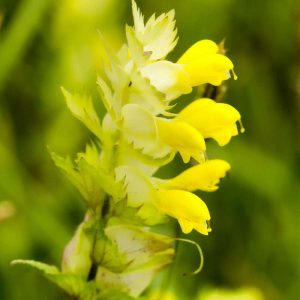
(154, 199)
(205, 176)
(159, 137)
(211, 119)
(190, 211)
(182, 137)
(204, 64)
(174, 197)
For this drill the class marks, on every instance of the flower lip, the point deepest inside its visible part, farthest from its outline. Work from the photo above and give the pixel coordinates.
(212, 119)
(183, 138)
(189, 209)
(205, 176)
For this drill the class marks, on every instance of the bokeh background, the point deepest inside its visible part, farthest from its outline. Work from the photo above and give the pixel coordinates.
(255, 240)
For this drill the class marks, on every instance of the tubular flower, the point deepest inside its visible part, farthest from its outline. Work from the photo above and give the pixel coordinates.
(212, 119)
(160, 137)
(190, 211)
(204, 177)
(204, 64)
(173, 197)
(183, 138)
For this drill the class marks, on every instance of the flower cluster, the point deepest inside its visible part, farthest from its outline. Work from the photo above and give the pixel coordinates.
(149, 136)
(138, 135)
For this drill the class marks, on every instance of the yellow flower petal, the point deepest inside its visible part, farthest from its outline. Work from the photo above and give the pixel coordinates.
(189, 209)
(200, 48)
(205, 176)
(204, 64)
(213, 69)
(185, 225)
(213, 120)
(201, 227)
(183, 138)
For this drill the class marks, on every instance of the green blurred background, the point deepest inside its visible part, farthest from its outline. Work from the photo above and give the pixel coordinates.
(255, 214)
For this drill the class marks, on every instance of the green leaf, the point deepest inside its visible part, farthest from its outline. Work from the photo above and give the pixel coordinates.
(67, 167)
(90, 167)
(82, 179)
(83, 109)
(135, 47)
(45, 268)
(88, 176)
(106, 95)
(113, 95)
(119, 81)
(90, 292)
(73, 285)
(111, 258)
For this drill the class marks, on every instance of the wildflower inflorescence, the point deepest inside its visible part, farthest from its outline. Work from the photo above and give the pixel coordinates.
(138, 135)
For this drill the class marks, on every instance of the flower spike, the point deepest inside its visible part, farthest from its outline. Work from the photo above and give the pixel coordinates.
(114, 254)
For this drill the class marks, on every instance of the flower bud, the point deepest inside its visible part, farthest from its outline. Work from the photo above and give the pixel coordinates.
(77, 254)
